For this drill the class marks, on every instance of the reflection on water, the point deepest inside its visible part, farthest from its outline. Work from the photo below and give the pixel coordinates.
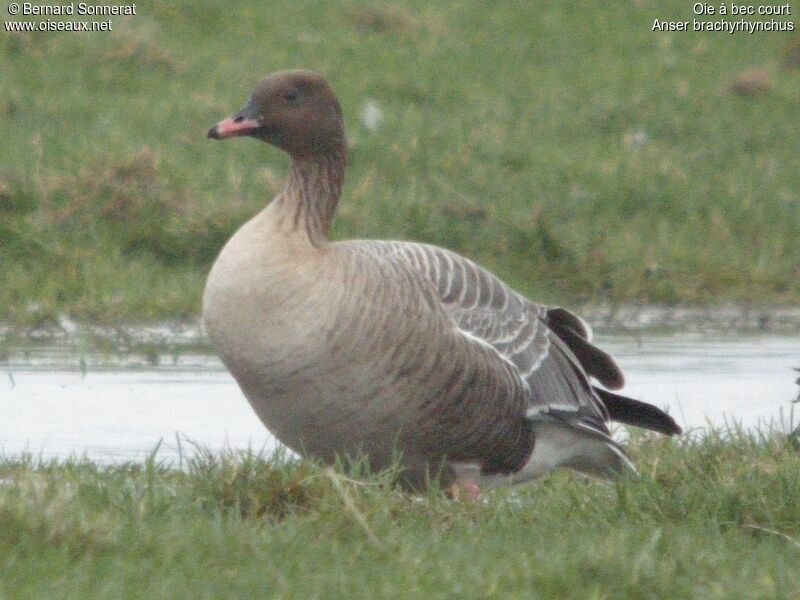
(57, 405)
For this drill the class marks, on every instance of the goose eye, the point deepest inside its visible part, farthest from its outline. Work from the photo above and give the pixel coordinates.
(293, 97)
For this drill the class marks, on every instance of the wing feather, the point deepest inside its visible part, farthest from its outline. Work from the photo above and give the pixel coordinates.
(485, 309)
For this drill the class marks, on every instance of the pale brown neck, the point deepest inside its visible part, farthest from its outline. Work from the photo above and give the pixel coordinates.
(309, 198)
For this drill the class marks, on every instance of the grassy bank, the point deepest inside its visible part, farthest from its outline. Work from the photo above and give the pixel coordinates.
(570, 148)
(710, 518)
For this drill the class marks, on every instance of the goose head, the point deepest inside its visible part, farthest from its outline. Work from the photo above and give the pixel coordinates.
(295, 111)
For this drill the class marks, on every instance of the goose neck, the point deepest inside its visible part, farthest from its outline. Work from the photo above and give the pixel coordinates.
(311, 194)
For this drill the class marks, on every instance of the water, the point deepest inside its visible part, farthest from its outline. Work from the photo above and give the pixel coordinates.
(113, 410)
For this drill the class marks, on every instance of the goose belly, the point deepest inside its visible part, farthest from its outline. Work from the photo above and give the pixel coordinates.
(318, 389)
(327, 398)
(322, 414)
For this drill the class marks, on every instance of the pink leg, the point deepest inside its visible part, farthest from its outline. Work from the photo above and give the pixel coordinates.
(468, 488)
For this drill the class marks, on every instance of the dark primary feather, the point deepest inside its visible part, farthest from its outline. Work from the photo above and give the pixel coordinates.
(561, 317)
(596, 362)
(633, 412)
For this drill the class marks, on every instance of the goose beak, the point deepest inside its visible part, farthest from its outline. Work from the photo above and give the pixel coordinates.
(233, 126)
(244, 122)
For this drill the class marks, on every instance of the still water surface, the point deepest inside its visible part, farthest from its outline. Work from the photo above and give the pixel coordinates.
(53, 408)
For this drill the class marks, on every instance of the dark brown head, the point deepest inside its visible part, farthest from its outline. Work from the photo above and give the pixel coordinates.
(293, 110)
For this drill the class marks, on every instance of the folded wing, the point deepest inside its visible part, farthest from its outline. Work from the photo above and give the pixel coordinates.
(550, 347)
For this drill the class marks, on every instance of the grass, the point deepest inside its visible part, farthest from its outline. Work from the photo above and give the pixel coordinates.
(570, 148)
(713, 516)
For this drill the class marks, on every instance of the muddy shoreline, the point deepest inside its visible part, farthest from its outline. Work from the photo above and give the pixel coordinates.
(153, 340)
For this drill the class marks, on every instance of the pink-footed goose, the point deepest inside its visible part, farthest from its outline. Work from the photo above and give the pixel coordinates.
(390, 348)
